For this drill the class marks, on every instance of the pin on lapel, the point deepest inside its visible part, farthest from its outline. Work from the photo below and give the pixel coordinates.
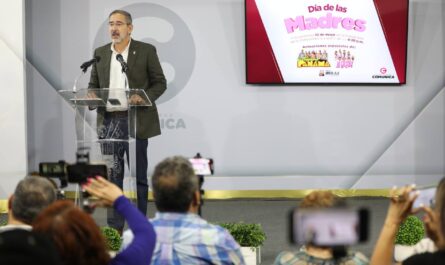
(134, 52)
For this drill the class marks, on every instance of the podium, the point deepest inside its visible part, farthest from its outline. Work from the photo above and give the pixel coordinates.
(105, 123)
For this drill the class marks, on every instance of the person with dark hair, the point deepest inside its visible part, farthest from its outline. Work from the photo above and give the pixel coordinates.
(143, 72)
(183, 236)
(19, 247)
(79, 240)
(400, 208)
(31, 196)
(319, 255)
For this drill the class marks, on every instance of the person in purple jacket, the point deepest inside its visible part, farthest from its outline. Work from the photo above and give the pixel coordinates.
(79, 240)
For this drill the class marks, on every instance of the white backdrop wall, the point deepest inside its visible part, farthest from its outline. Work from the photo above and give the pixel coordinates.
(13, 165)
(261, 137)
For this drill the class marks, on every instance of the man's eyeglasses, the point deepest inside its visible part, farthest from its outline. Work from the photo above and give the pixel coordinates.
(117, 24)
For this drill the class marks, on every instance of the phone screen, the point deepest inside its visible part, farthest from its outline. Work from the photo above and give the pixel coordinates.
(79, 173)
(329, 227)
(426, 197)
(114, 101)
(52, 169)
(201, 166)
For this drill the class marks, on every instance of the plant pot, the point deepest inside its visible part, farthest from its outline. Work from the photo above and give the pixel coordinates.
(402, 252)
(252, 256)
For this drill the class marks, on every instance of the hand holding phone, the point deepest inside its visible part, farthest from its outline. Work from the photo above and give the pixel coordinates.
(201, 166)
(426, 197)
(329, 227)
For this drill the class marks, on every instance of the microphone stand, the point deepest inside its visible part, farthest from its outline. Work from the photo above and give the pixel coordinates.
(77, 80)
(84, 70)
(126, 86)
(201, 192)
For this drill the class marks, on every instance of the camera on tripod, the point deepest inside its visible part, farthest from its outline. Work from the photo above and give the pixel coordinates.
(77, 173)
(73, 173)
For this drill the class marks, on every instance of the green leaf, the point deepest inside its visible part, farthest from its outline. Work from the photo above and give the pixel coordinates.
(112, 238)
(247, 235)
(411, 231)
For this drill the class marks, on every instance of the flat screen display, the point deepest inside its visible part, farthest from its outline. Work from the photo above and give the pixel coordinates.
(326, 42)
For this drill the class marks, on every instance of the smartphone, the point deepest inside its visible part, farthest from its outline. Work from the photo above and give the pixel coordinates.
(114, 101)
(329, 227)
(426, 197)
(202, 166)
(80, 172)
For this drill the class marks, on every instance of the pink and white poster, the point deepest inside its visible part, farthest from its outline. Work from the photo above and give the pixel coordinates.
(323, 41)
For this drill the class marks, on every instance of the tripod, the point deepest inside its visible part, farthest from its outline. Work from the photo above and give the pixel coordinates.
(201, 192)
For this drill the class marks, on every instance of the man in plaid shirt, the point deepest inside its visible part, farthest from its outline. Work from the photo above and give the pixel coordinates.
(183, 237)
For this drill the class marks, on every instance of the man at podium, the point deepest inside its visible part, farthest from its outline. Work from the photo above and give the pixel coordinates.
(126, 63)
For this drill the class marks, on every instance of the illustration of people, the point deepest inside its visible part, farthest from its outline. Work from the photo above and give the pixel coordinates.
(345, 59)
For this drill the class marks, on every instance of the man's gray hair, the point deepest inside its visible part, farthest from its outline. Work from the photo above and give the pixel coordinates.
(31, 196)
(174, 184)
(127, 15)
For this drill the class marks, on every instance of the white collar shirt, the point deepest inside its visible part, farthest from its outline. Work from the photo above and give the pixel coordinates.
(117, 82)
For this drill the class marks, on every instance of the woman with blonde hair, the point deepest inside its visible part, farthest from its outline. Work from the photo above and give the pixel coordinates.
(310, 254)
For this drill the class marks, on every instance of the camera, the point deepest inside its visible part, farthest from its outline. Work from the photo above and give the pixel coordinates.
(77, 173)
(329, 227)
(73, 173)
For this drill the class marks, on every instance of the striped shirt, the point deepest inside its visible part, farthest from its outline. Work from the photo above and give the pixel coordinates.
(189, 239)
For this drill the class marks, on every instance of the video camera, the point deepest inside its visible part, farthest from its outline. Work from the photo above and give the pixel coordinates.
(77, 173)
(73, 173)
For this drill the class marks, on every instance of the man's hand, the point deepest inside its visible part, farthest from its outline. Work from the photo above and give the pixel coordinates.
(104, 190)
(91, 95)
(136, 100)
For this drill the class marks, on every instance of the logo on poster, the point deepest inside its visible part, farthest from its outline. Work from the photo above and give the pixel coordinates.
(177, 61)
(383, 74)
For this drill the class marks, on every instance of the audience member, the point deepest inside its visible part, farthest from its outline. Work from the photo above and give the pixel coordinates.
(400, 208)
(183, 236)
(22, 247)
(30, 197)
(317, 255)
(426, 244)
(79, 240)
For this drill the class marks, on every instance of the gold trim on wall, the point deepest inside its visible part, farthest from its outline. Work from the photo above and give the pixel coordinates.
(252, 194)
(3, 206)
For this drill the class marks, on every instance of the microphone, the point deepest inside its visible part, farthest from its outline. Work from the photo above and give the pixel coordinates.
(123, 63)
(87, 64)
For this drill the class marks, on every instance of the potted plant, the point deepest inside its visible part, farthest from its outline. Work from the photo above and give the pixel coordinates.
(410, 233)
(112, 239)
(3, 221)
(250, 237)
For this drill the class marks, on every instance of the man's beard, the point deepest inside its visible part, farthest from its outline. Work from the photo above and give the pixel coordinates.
(118, 40)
